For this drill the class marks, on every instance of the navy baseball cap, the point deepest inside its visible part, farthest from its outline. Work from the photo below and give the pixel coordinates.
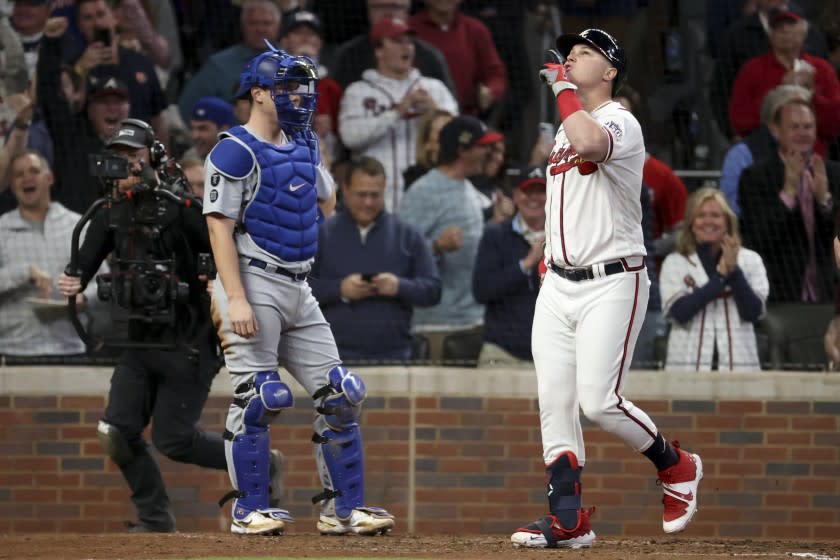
(214, 109)
(601, 41)
(526, 176)
(101, 85)
(298, 17)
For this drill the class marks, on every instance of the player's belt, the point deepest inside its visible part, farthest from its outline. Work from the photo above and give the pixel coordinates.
(586, 273)
(274, 269)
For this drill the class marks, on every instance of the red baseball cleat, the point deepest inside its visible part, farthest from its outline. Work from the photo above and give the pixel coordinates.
(548, 533)
(679, 487)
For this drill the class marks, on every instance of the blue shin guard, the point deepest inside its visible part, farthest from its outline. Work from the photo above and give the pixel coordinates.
(338, 449)
(250, 456)
(341, 464)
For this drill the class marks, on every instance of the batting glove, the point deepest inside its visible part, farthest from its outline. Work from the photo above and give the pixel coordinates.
(555, 76)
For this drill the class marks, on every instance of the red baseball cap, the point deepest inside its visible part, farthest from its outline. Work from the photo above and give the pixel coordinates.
(783, 16)
(389, 28)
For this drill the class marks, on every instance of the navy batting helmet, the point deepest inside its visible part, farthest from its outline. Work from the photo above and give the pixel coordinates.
(604, 43)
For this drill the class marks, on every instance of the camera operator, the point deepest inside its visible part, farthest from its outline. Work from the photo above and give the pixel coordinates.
(152, 379)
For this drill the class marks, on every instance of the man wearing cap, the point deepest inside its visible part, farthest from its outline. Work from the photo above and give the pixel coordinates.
(447, 209)
(786, 62)
(167, 385)
(105, 55)
(592, 302)
(302, 34)
(356, 55)
(76, 135)
(745, 38)
(379, 114)
(505, 278)
(210, 116)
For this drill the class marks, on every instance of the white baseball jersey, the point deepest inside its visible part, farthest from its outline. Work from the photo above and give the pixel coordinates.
(593, 212)
(369, 124)
(691, 345)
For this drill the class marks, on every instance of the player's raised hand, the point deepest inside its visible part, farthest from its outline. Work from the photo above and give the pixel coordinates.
(554, 75)
(242, 319)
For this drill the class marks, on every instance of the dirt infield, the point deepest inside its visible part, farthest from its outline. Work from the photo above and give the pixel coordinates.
(204, 545)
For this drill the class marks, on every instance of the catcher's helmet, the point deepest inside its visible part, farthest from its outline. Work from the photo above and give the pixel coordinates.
(282, 74)
(604, 43)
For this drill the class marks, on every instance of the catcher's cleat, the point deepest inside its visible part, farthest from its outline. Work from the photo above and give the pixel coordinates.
(362, 521)
(261, 522)
(548, 533)
(679, 487)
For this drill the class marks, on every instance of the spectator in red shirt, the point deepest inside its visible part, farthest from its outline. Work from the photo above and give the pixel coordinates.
(478, 72)
(786, 63)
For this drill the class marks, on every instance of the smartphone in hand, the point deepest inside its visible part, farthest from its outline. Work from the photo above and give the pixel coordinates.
(102, 35)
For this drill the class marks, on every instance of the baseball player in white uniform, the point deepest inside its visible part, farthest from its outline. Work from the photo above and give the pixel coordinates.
(592, 303)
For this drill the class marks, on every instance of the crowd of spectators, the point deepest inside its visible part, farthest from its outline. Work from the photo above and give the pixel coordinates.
(420, 109)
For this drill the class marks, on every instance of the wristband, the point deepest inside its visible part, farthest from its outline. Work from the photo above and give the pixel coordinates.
(568, 103)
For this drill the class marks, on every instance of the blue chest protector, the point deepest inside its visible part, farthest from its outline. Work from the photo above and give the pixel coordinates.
(281, 216)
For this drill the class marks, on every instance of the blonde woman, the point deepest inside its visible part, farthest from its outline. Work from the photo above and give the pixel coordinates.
(713, 290)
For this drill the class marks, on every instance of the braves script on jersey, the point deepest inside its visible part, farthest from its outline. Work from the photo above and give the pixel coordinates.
(593, 213)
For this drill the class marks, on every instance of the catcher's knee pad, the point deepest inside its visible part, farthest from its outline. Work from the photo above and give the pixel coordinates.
(563, 488)
(115, 443)
(338, 449)
(250, 456)
(263, 400)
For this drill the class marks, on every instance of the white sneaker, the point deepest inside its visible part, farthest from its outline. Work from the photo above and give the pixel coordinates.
(362, 521)
(261, 522)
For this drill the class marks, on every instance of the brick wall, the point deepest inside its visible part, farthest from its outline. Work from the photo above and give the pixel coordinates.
(772, 465)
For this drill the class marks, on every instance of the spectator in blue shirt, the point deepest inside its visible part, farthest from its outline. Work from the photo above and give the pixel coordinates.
(371, 270)
(505, 277)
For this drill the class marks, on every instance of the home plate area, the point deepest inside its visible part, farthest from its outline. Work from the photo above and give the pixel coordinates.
(312, 546)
